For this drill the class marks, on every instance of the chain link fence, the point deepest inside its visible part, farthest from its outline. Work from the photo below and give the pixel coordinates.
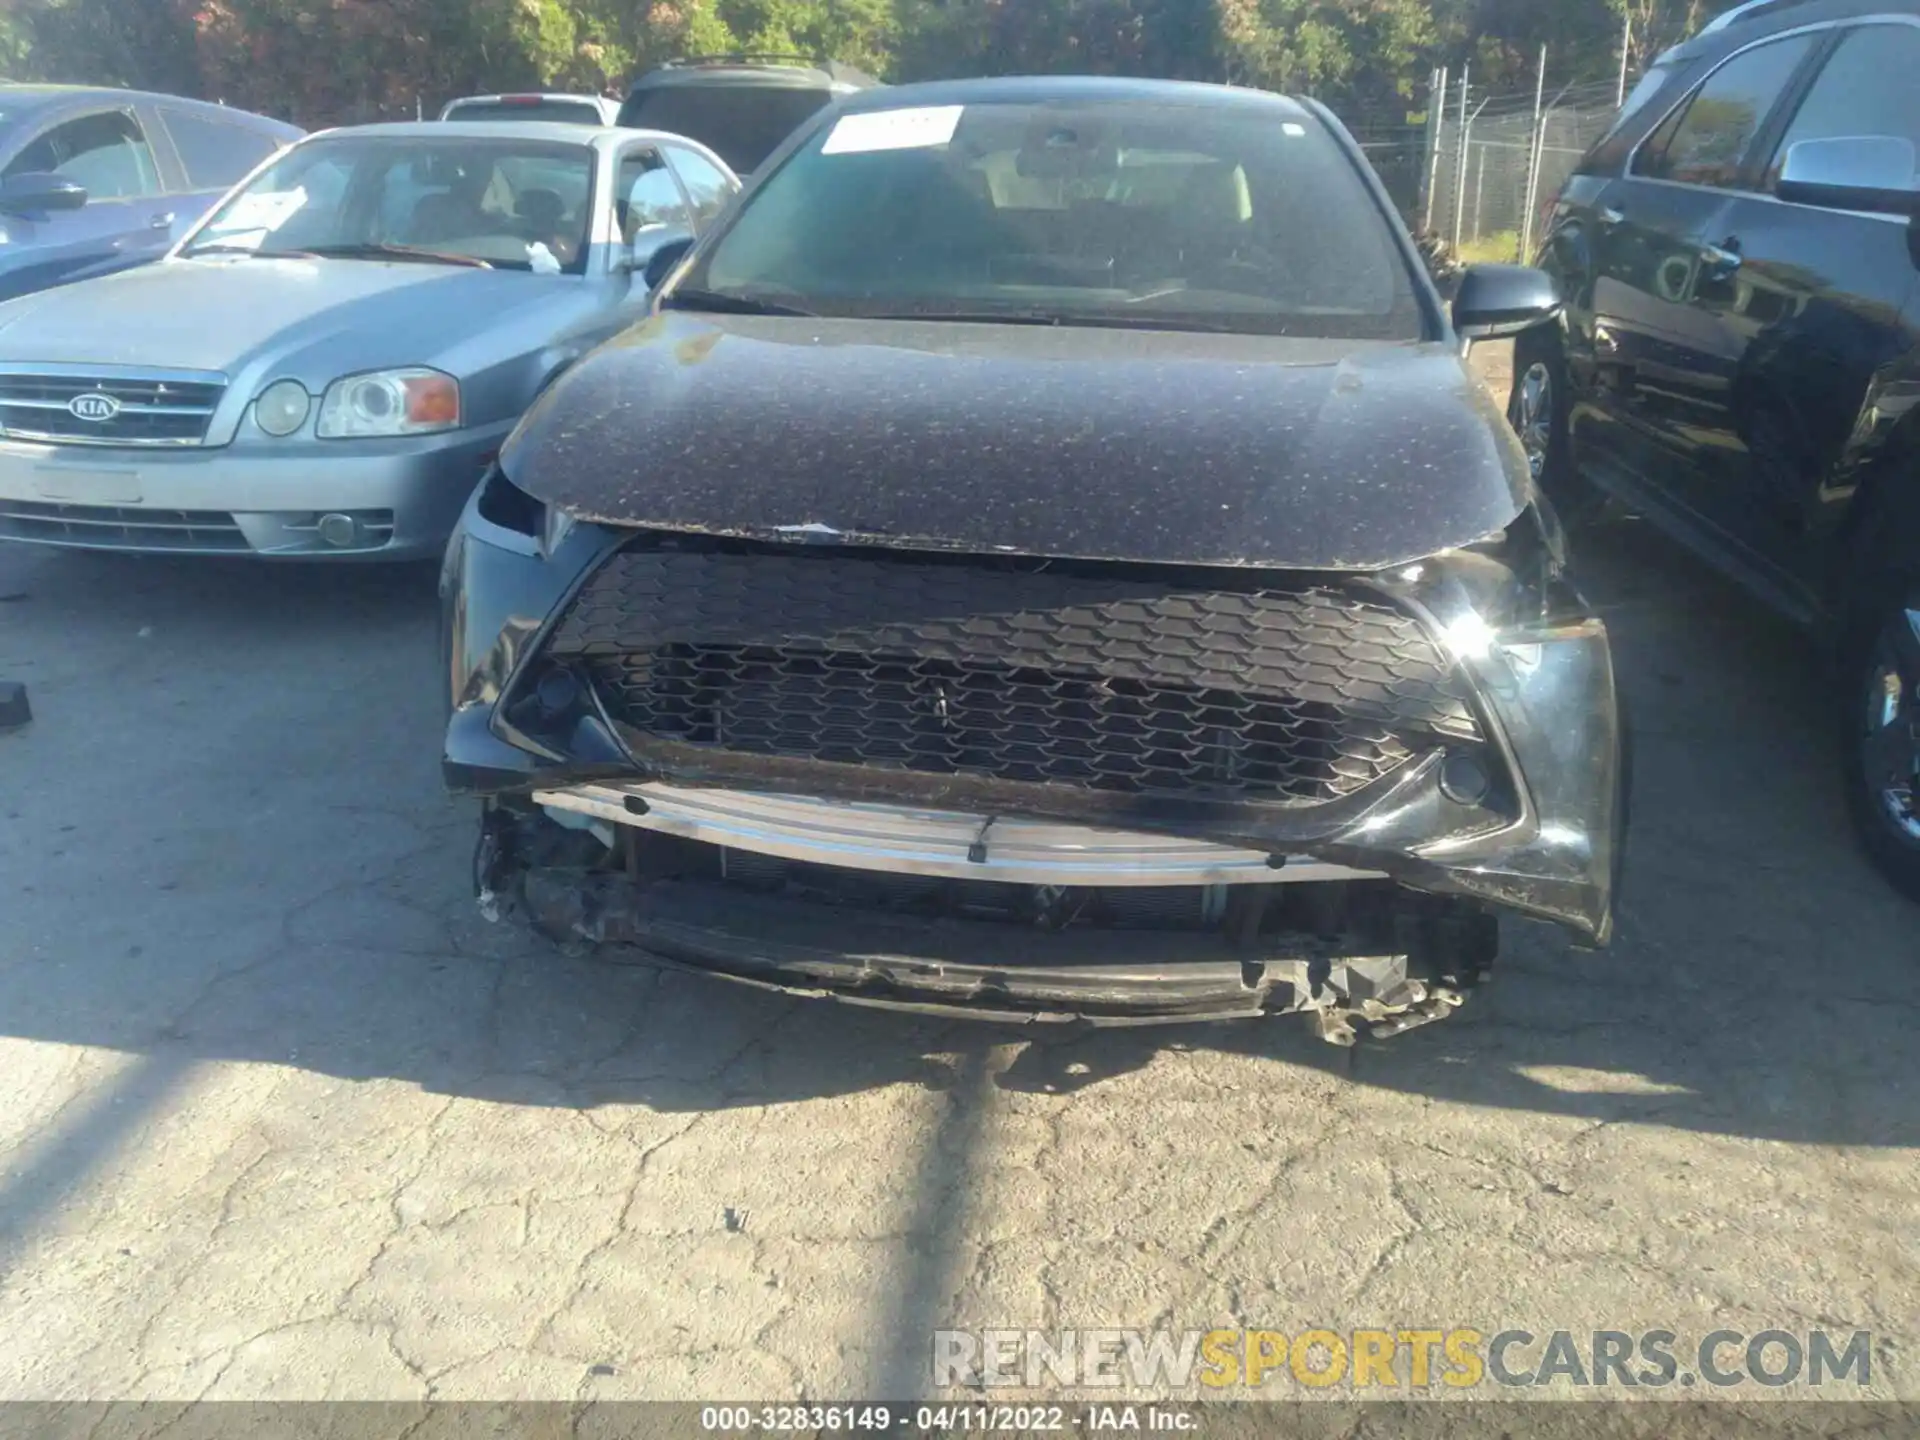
(1478, 175)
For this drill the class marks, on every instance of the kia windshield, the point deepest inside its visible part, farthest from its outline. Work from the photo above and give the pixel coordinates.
(507, 204)
(1166, 215)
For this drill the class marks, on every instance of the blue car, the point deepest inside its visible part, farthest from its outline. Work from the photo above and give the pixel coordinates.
(96, 180)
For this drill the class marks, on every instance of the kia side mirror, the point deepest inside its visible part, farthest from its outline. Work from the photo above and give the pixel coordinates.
(37, 192)
(1496, 301)
(662, 262)
(1852, 172)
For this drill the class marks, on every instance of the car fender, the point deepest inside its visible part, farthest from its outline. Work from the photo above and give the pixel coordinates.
(1866, 510)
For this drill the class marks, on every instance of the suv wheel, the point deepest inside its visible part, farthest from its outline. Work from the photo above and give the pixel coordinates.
(1883, 738)
(1537, 410)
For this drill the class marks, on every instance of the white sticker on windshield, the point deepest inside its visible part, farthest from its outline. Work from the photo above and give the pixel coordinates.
(265, 210)
(893, 130)
(1292, 129)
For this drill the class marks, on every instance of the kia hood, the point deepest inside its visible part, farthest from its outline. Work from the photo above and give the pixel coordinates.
(1099, 443)
(219, 313)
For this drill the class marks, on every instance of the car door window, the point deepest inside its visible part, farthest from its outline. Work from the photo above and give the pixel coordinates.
(647, 199)
(106, 153)
(1867, 88)
(215, 154)
(38, 158)
(709, 186)
(1707, 139)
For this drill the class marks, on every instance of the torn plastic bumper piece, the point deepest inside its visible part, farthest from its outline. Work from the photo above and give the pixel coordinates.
(983, 970)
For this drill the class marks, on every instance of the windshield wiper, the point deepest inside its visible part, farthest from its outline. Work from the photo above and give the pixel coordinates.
(252, 252)
(1064, 319)
(375, 250)
(727, 303)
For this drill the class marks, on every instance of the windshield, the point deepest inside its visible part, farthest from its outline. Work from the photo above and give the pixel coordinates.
(567, 112)
(1158, 214)
(507, 203)
(742, 124)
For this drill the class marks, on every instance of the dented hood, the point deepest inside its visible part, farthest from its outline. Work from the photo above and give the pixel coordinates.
(1155, 446)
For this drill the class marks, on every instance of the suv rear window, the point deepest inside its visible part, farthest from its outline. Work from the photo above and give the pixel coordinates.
(742, 123)
(567, 112)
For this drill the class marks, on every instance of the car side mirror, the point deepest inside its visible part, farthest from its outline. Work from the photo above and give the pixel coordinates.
(1852, 172)
(1495, 301)
(35, 192)
(661, 263)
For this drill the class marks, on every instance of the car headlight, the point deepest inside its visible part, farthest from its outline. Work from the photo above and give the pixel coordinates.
(389, 402)
(282, 407)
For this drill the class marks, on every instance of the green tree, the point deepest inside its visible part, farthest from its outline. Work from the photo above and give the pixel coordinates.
(111, 42)
(333, 61)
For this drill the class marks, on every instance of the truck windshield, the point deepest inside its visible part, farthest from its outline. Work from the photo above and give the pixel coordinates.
(742, 123)
(566, 112)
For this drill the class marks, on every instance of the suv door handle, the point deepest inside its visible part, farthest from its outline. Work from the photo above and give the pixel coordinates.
(1722, 259)
(1612, 215)
(161, 222)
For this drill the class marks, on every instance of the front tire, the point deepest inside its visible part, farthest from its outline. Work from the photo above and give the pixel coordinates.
(1537, 410)
(1881, 735)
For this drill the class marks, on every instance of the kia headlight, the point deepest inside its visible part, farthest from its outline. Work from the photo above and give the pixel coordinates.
(282, 408)
(389, 402)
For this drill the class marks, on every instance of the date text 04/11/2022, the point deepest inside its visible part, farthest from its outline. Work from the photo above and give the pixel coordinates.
(1029, 1419)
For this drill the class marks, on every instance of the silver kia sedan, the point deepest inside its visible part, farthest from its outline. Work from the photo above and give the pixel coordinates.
(328, 363)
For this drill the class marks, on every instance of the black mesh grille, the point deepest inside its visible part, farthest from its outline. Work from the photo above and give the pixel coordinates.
(1114, 684)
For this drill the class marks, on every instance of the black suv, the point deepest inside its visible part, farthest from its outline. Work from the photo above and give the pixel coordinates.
(739, 106)
(1736, 358)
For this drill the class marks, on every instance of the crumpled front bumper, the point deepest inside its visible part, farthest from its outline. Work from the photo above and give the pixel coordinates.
(1011, 974)
(1550, 848)
(1549, 696)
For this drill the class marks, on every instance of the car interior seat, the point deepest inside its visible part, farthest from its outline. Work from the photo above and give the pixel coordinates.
(1211, 216)
(542, 211)
(438, 216)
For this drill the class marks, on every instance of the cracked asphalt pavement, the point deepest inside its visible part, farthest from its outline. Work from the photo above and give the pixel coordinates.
(282, 1117)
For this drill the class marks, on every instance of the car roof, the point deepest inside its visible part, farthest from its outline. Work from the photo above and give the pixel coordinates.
(1757, 19)
(1793, 11)
(529, 95)
(1039, 89)
(512, 99)
(23, 97)
(559, 131)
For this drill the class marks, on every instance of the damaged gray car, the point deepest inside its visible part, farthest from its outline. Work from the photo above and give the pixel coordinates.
(1044, 557)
